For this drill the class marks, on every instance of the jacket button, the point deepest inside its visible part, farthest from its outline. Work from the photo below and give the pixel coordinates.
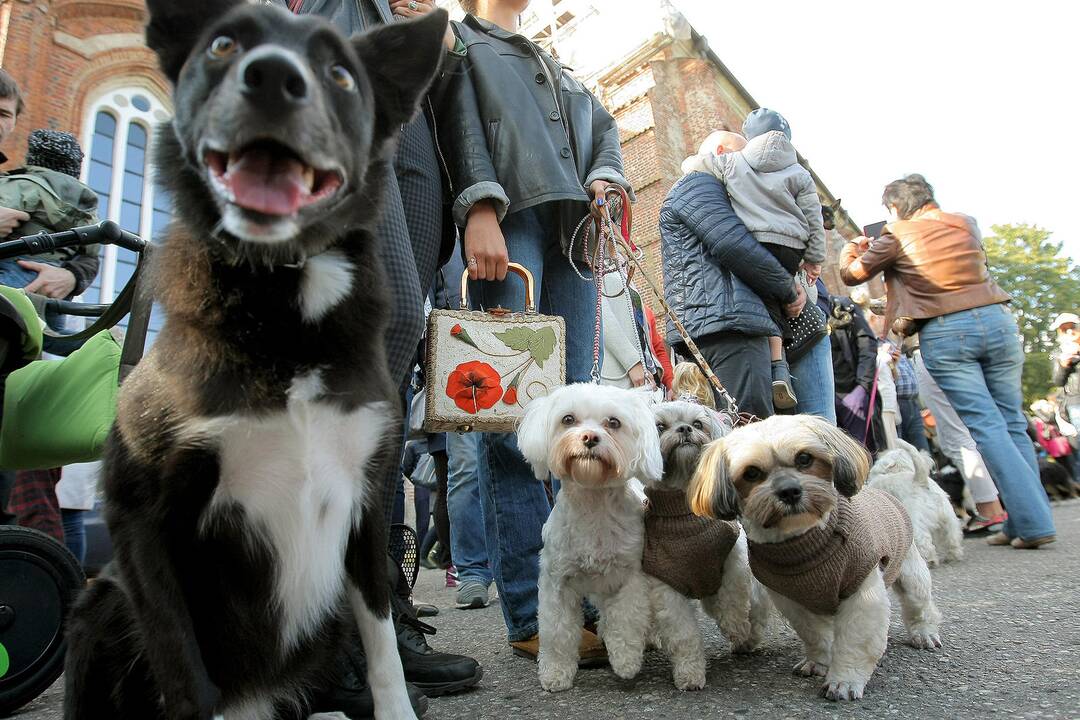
(565, 152)
(554, 115)
(540, 79)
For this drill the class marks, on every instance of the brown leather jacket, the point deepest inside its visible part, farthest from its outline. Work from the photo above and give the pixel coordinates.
(934, 264)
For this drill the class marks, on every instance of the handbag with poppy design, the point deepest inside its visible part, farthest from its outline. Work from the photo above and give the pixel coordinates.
(483, 367)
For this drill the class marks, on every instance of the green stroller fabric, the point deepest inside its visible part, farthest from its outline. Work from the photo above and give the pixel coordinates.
(18, 310)
(58, 412)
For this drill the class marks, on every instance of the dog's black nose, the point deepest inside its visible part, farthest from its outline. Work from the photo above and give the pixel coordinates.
(790, 494)
(590, 440)
(685, 429)
(274, 79)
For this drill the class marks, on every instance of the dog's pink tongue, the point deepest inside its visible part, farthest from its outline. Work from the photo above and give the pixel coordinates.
(266, 183)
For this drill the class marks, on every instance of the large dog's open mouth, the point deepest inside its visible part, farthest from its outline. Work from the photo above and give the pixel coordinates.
(270, 178)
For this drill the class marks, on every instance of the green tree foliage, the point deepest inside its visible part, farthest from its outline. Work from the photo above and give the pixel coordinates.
(1043, 282)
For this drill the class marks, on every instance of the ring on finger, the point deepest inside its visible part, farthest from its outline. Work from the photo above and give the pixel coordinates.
(472, 261)
(413, 5)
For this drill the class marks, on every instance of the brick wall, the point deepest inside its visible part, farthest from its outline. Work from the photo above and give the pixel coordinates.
(62, 51)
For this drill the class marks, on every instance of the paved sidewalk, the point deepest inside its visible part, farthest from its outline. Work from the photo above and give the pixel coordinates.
(1011, 628)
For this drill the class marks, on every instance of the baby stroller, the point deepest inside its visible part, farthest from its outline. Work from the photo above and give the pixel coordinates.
(54, 412)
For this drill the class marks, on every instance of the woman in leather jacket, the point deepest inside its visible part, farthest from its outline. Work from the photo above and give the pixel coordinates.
(939, 283)
(527, 147)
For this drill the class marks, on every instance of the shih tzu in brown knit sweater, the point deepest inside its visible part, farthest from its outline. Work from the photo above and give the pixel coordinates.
(826, 549)
(691, 558)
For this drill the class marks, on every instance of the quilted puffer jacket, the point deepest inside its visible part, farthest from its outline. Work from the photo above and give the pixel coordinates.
(715, 272)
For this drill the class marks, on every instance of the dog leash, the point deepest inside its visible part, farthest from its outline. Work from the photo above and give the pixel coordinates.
(616, 196)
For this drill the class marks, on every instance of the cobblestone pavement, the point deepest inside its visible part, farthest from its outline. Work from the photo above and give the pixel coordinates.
(1011, 629)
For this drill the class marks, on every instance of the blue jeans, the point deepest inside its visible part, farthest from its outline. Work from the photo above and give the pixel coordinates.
(14, 275)
(976, 358)
(74, 532)
(468, 541)
(911, 424)
(514, 501)
(812, 381)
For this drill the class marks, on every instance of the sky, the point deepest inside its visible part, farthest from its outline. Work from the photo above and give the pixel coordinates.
(983, 98)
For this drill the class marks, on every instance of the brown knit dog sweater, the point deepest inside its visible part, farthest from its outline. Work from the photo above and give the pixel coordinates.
(823, 566)
(683, 550)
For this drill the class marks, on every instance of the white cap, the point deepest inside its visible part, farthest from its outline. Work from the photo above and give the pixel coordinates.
(1065, 319)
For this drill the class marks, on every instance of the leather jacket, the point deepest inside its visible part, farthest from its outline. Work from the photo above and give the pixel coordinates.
(934, 265)
(510, 139)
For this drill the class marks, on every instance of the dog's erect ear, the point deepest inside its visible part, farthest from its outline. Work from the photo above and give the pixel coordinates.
(401, 60)
(850, 460)
(648, 462)
(175, 27)
(532, 435)
(711, 493)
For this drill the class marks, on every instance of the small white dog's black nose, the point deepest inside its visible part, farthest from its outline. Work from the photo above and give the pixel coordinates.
(686, 429)
(791, 494)
(590, 440)
(274, 79)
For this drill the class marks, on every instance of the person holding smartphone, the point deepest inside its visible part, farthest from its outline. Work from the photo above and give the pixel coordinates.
(937, 277)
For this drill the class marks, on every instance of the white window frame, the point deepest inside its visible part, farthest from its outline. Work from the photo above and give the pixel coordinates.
(125, 113)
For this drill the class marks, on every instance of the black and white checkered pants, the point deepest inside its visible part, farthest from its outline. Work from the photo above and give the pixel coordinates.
(410, 232)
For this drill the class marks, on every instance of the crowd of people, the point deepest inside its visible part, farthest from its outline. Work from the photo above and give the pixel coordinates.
(509, 154)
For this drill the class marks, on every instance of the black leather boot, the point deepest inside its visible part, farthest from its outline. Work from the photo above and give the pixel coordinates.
(348, 690)
(435, 673)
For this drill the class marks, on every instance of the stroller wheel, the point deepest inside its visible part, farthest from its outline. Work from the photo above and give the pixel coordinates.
(39, 580)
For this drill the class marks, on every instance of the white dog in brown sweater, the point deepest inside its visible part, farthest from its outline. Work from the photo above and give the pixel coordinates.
(691, 558)
(826, 551)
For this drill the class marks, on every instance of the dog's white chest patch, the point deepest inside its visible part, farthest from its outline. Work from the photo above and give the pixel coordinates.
(327, 279)
(299, 475)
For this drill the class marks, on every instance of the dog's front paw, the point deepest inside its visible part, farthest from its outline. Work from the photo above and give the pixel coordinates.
(626, 665)
(689, 675)
(842, 689)
(809, 668)
(925, 638)
(557, 677)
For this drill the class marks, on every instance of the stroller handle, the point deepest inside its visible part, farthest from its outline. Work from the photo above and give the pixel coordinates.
(106, 232)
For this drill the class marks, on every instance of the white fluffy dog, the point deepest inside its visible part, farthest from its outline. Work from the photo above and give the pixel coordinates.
(905, 474)
(827, 549)
(593, 439)
(687, 557)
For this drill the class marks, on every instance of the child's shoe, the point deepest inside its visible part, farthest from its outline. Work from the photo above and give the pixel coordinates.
(782, 394)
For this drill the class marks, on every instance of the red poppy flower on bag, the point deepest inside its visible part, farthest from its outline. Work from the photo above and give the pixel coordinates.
(474, 386)
(456, 330)
(510, 396)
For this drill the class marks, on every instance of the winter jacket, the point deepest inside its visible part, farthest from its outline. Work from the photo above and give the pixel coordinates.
(513, 139)
(854, 347)
(1068, 379)
(715, 272)
(55, 202)
(773, 195)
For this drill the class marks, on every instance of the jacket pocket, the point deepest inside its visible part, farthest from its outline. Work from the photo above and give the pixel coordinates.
(493, 140)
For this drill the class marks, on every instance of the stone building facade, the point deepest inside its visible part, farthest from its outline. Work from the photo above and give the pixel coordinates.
(83, 68)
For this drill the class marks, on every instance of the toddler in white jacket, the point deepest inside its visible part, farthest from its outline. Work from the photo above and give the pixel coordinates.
(777, 201)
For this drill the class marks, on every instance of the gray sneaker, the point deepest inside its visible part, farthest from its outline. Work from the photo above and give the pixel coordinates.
(472, 595)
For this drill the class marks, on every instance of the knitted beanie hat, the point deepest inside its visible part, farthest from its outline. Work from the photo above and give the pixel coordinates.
(763, 120)
(55, 150)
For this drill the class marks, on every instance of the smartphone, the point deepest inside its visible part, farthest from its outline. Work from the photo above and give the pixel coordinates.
(873, 230)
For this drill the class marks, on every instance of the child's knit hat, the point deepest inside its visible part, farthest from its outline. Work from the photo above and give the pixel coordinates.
(55, 150)
(763, 120)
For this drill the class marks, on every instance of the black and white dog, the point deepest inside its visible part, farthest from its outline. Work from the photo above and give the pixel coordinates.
(241, 475)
